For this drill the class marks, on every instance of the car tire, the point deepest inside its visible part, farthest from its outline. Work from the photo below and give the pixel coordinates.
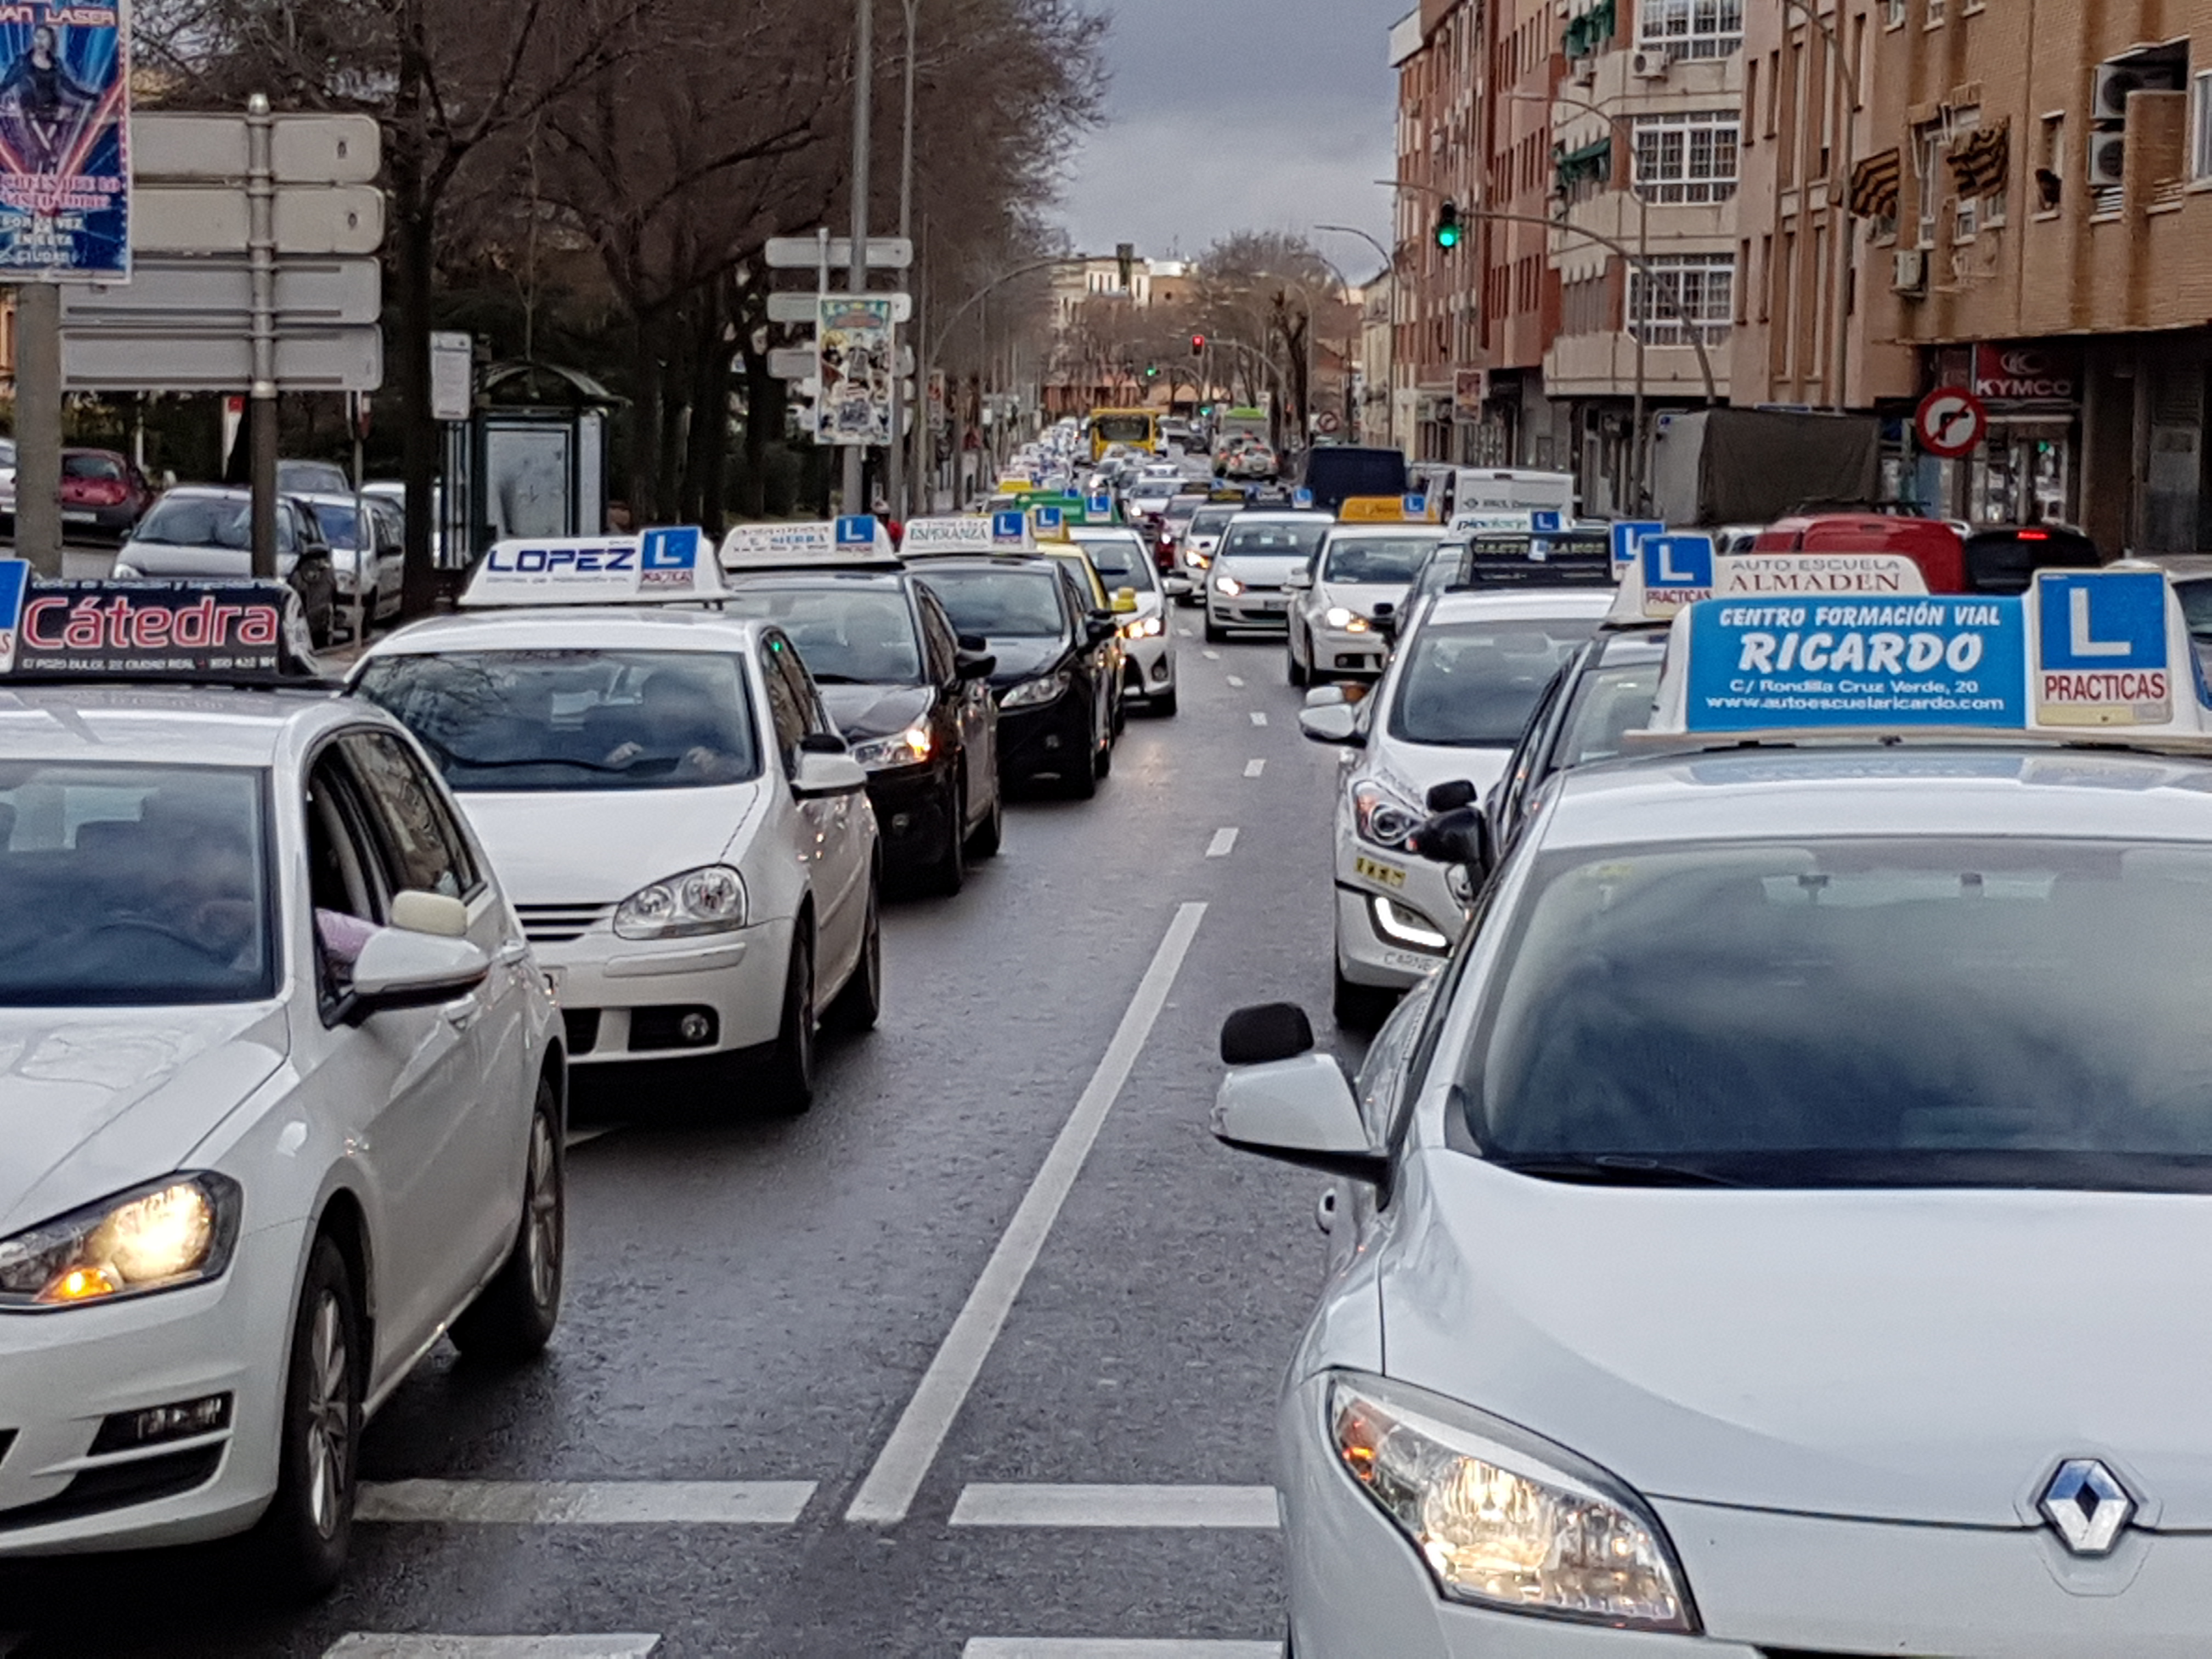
(1163, 704)
(1102, 763)
(1361, 1007)
(1300, 675)
(301, 1543)
(1215, 634)
(1080, 782)
(513, 1318)
(991, 834)
(860, 1004)
(949, 874)
(788, 1081)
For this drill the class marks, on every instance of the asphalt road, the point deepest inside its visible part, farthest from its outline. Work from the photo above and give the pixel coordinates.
(976, 1360)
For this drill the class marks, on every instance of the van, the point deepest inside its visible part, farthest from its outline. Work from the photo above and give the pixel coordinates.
(1337, 473)
(1485, 492)
(1933, 545)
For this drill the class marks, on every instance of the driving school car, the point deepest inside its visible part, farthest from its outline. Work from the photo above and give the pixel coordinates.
(1700, 1238)
(689, 844)
(284, 1089)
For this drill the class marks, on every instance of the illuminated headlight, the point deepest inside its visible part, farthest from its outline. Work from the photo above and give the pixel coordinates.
(1382, 820)
(1504, 1520)
(171, 1233)
(908, 748)
(1197, 558)
(125, 573)
(1145, 628)
(1032, 694)
(711, 900)
(1407, 926)
(1344, 621)
(1228, 586)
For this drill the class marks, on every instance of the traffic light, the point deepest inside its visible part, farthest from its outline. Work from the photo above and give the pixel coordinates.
(1450, 232)
(1198, 345)
(1151, 371)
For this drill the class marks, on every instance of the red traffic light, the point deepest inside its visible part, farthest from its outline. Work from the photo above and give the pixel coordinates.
(1198, 345)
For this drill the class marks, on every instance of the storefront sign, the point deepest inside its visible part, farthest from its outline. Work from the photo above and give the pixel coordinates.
(2026, 375)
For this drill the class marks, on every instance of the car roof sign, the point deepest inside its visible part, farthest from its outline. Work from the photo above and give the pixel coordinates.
(974, 532)
(1669, 574)
(826, 544)
(654, 567)
(184, 631)
(2105, 652)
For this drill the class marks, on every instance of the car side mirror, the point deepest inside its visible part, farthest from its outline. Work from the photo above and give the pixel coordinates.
(1336, 723)
(1450, 797)
(1460, 837)
(973, 642)
(824, 742)
(434, 914)
(1102, 627)
(1298, 1111)
(1263, 1035)
(820, 777)
(399, 969)
(973, 666)
(1301, 582)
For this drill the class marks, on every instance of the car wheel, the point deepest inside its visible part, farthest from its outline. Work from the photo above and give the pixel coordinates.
(301, 1541)
(789, 1083)
(1162, 704)
(1215, 634)
(950, 873)
(1300, 675)
(991, 834)
(1361, 1007)
(860, 1004)
(513, 1318)
(1080, 780)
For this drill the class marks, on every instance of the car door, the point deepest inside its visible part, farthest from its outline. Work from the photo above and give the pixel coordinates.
(390, 552)
(475, 1138)
(838, 824)
(974, 711)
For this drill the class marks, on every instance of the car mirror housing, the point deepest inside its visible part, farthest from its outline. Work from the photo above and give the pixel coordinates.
(821, 777)
(1460, 837)
(434, 914)
(824, 742)
(973, 666)
(1300, 582)
(1101, 628)
(1450, 797)
(1336, 723)
(1263, 1035)
(1300, 1111)
(400, 968)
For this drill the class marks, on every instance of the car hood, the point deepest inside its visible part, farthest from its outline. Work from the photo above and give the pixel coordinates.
(1022, 659)
(168, 559)
(93, 1101)
(1920, 1356)
(1412, 769)
(1363, 598)
(876, 711)
(1259, 572)
(585, 847)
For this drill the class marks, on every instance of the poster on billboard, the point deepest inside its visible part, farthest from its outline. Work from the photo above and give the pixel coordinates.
(854, 339)
(65, 141)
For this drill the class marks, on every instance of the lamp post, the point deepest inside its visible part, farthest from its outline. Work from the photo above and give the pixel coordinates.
(1351, 413)
(1390, 335)
(898, 459)
(864, 76)
(1839, 190)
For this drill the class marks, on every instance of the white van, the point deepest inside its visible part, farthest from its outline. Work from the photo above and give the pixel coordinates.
(1473, 493)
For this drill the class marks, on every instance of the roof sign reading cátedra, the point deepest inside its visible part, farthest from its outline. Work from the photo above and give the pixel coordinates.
(233, 632)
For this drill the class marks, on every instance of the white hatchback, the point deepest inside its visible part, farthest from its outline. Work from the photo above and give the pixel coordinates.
(1357, 584)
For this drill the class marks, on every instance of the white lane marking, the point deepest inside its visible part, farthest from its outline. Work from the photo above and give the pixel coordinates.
(585, 1137)
(1046, 1647)
(1240, 1508)
(1213, 656)
(359, 1645)
(588, 1503)
(889, 1492)
(1234, 681)
(1254, 768)
(1259, 719)
(1224, 843)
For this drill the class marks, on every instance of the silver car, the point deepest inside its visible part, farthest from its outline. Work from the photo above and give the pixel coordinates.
(1248, 588)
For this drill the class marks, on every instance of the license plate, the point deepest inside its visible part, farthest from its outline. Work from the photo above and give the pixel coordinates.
(1383, 875)
(80, 518)
(1272, 604)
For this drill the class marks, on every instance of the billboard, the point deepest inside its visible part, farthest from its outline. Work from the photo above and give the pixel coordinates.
(65, 140)
(854, 338)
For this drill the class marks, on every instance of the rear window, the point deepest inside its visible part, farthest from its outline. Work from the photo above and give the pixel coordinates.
(1000, 605)
(846, 635)
(1273, 541)
(1335, 476)
(105, 468)
(1472, 685)
(1374, 561)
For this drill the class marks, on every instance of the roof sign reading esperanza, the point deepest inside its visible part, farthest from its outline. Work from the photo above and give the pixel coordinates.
(829, 543)
(998, 532)
(236, 632)
(656, 566)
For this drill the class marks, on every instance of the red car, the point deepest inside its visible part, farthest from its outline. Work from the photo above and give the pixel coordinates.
(102, 494)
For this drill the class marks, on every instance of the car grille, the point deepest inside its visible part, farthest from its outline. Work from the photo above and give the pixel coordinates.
(557, 924)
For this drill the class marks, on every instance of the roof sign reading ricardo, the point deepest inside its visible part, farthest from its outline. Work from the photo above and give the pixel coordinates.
(2083, 649)
(232, 633)
(837, 544)
(656, 566)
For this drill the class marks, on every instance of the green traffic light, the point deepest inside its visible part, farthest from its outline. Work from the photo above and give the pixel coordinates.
(1447, 236)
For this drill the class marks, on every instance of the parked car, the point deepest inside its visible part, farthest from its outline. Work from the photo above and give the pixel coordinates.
(312, 478)
(368, 551)
(208, 530)
(103, 492)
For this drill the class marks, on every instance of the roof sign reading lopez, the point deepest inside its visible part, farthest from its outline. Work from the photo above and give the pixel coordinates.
(828, 544)
(1672, 573)
(233, 633)
(660, 567)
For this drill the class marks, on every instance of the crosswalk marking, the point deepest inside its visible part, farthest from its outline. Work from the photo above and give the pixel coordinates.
(361, 1646)
(1047, 1647)
(1224, 1508)
(588, 1503)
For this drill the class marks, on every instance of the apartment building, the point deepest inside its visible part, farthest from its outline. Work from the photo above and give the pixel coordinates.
(1645, 148)
(2029, 190)
(1436, 387)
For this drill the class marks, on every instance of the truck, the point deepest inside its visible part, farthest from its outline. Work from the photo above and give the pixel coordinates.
(1714, 467)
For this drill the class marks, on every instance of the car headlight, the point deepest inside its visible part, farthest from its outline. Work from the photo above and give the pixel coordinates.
(1197, 558)
(176, 1231)
(908, 748)
(1344, 621)
(123, 572)
(1504, 1520)
(1403, 925)
(1228, 586)
(1382, 820)
(709, 900)
(1031, 694)
(1145, 628)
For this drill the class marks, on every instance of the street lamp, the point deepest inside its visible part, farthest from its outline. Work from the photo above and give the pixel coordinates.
(898, 456)
(1390, 361)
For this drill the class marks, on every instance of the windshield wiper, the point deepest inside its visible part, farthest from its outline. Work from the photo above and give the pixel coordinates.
(475, 764)
(1615, 1170)
(821, 678)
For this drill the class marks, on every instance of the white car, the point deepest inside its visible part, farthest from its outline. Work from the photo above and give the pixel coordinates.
(1447, 711)
(1125, 564)
(688, 841)
(368, 551)
(285, 1102)
(1248, 588)
(1357, 582)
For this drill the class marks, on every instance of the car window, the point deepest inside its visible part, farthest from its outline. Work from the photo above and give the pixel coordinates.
(198, 521)
(2197, 606)
(786, 711)
(1473, 684)
(785, 664)
(1001, 605)
(423, 847)
(1367, 560)
(848, 636)
(1273, 541)
(1608, 705)
(346, 880)
(1121, 561)
(341, 525)
(556, 721)
(107, 469)
(133, 886)
(937, 643)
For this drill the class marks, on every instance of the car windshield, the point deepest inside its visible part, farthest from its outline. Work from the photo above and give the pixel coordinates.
(1000, 605)
(105, 468)
(1370, 561)
(1122, 561)
(1124, 428)
(133, 886)
(1608, 704)
(847, 635)
(1473, 684)
(341, 525)
(1273, 541)
(1211, 520)
(1941, 1011)
(511, 722)
(198, 521)
(2197, 606)
(312, 478)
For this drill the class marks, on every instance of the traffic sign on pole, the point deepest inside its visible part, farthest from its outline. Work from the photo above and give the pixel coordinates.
(182, 295)
(304, 149)
(805, 308)
(135, 359)
(315, 219)
(1952, 422)
(807, 253)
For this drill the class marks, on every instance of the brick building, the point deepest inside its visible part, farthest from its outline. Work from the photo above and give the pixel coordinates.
(1438, 53)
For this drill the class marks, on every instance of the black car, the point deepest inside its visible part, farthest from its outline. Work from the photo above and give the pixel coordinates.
(911, 697)
(1056, 700)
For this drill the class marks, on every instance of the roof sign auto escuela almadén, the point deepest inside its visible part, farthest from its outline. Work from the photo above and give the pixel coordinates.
(65, 141)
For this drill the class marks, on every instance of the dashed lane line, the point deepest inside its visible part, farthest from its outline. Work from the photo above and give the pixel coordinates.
(1213, 656)
(1234, 681)
(1046, 1647)
(1211, 1508)
(587, 1503)
(1259, 719)
(1224, 844)
(363, 1645)
(1254, 768)
(888, 1494)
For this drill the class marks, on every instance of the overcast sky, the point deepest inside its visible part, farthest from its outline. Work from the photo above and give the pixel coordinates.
(1231, 115)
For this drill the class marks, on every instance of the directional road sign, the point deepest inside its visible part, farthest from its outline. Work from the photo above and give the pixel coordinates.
(804, 253)
(307, 360)
(806, 307)
(217, 294)
(794, 362)
(1952, 422)
(318, 219)
(306, 149)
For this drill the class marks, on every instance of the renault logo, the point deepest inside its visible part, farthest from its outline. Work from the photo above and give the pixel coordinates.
(2088, 1506)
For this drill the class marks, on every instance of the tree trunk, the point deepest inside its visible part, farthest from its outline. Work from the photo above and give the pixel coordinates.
(645, 431)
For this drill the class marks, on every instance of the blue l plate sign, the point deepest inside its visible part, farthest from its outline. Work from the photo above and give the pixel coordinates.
(1680, 565)
(1629, 536)
(2102, 655)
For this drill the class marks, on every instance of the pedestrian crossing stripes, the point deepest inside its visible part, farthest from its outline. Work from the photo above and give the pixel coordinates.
(364, 1646)
(1227, 1507)
(1030, 1647)
(587, 1503)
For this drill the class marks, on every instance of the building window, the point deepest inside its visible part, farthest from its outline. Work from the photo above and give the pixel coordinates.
(1935, 10)
(1687, 158)
(1704, 286)
(1892, 13)
(1692, 28)
(2200, 149)
(1928, 149)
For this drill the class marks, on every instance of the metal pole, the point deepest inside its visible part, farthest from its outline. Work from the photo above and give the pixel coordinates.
(38, 426)
(864, 82)
(900, 507)
(261, 218)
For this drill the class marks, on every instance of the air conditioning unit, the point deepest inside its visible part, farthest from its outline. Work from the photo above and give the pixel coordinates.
(1652, 63)
(2108, 158)
(1582, 71)
(1910, 273)
(2115, 81)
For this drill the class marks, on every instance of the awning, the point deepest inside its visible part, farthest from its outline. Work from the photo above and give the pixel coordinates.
(1589, 32)
(1981, 159)
(1875, 185)
(1592, 162)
